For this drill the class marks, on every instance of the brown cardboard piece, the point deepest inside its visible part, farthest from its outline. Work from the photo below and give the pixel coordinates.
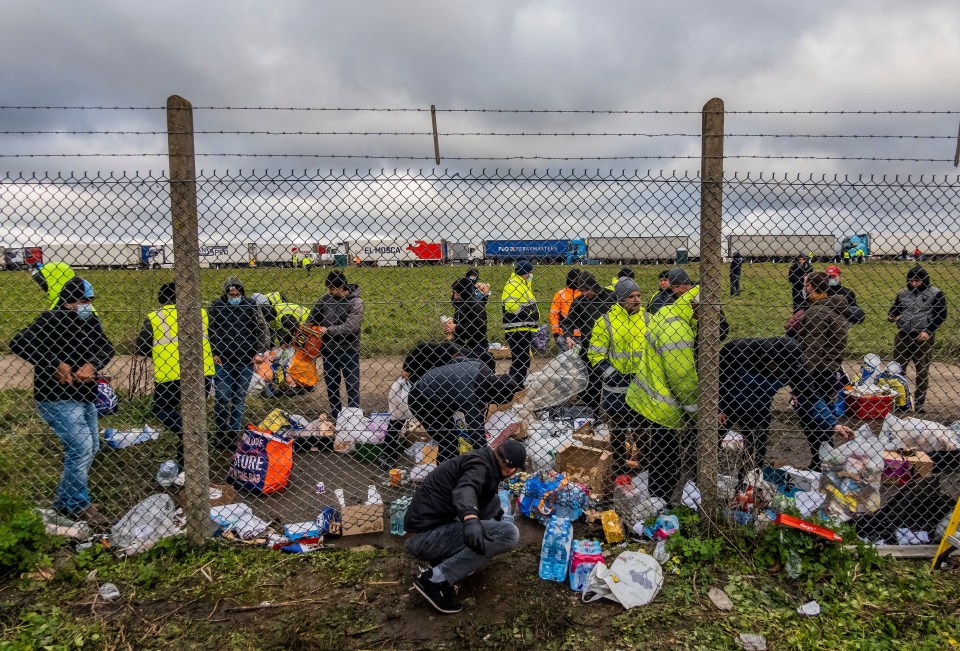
(919, 463)
(589, 437)
(587, 465)
(365, 518)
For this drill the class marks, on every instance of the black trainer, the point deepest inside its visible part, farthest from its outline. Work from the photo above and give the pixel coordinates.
(438, 595)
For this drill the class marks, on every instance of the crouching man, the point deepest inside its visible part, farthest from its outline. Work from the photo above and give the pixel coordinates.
(454, 524)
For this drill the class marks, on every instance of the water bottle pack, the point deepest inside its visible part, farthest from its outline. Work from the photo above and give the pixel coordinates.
(555, 550)
(586, 554)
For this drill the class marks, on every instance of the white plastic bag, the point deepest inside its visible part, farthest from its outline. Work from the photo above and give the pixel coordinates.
(564, 377)
(500, 426)
(917, 434)
(851, 475)
(145, 524)
(351, 426)
(633, 579)
(239, 518)
(397, 401)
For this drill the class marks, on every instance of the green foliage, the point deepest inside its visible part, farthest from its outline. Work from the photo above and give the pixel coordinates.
(50, 630)
(22, 535)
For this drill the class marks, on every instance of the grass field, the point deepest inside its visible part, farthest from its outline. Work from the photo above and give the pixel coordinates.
(403, 305)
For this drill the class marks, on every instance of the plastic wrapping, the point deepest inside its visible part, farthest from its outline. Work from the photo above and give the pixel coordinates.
(564, 377)
(917, 434)
(851, 475)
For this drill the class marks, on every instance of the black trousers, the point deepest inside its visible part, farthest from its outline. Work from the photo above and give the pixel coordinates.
(519, 344)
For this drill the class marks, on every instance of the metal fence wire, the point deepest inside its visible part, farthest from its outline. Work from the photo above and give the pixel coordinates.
(359, 328)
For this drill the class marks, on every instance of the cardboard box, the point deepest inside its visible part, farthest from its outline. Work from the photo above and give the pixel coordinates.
(500, 353)
(227, 495)
(587, 465)
(365, 518)
(588, 436)
(900, 467)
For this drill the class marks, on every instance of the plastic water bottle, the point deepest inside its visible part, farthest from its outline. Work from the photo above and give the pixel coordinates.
(398, 510)
(505, 504)
(167, 474)
(555, 551)
(585, 555)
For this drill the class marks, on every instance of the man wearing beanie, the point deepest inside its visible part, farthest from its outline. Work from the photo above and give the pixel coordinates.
(67, 347)
(616, 354)
(918, 311)
(521, 318)
(454, 521)
(238, 334)
(593, 302)
(665, 296)
(339, 313)
(560, 307)
(158, 339)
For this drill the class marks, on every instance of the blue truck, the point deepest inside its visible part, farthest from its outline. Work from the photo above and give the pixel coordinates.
(568, 251)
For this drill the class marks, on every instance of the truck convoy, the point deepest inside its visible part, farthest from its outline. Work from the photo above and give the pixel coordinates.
(388, 252)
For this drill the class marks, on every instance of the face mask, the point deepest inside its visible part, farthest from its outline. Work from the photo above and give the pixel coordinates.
(833, 282)
(85, 311)
(234, 301)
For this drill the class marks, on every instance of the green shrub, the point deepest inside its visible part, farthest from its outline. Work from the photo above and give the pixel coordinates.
(22, 535)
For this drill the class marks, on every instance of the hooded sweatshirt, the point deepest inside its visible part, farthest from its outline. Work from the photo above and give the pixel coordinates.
(60, 336)
(823, 332)
(237, 332)
(470, 315)
(921, 309)
(342, 317)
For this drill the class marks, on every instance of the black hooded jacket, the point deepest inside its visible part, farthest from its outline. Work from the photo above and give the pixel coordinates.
(461, 486)
(60, 336)
(470, 315)
(921, 309)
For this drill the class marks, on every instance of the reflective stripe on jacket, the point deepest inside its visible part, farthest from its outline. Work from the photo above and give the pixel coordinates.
(284, 309)
(560, 308)
(166, 345)
(520, 310)
(619, 337)
(665, 387)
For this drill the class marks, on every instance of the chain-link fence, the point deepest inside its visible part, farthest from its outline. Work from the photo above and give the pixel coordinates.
(359, 328)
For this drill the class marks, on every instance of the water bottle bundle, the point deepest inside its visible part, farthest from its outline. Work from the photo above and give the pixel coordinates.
(548, 493)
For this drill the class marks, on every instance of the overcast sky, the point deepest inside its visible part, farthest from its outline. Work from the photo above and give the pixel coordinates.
(876, 55)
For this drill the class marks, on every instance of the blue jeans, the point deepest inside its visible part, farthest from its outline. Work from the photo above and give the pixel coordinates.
(335, 364)
(230, 386)
(75, 423)
(443, 547)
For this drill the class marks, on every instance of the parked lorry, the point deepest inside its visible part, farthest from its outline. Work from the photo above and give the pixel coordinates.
(635, 250)
(20, 257)
(782, 247)
(569, 251)
(895, 245)
(382, 252)
(109, 255)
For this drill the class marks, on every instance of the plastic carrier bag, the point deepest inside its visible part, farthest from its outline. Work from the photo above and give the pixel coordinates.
(397, 401)
(564, 377)
(145, 524)
(106, 401)
(851, 475)
(262, 462)
(633, 579)
(351, 426)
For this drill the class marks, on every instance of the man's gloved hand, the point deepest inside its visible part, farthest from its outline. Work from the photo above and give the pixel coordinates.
(473, 535)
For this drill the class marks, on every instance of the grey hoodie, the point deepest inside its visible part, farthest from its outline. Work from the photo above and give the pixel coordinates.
(342, 318)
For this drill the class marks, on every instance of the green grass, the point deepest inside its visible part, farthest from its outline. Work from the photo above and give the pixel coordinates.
(403, 305)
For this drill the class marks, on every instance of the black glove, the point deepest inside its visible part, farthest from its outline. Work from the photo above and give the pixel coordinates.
(473, 536)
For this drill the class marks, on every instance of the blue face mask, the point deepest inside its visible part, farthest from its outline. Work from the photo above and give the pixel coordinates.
(234, 301)
(85, 311)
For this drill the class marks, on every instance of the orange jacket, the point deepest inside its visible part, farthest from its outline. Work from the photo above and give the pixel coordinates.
(560, 307)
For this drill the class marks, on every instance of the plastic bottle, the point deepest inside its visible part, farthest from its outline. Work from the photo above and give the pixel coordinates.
(398, 510)
(506, 504)
(167, 474)
(555, 550)
(585, 555)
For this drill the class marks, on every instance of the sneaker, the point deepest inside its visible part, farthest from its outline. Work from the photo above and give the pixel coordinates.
(438, 595)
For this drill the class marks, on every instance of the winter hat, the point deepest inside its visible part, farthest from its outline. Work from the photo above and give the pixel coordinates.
(523, 267)
(572, 277)
(625, 272)
(918, 273)
(167, 294)
(88, 290)
(624, 288)
(473, 273)
(678, 276)
(588, 283)
(72, 291)
(513, 454)
(819, 281)
(832, 270)
(336, 279)
(259, 299)
(232, 282)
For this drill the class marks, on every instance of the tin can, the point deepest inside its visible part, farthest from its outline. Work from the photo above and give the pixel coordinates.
(396, 475)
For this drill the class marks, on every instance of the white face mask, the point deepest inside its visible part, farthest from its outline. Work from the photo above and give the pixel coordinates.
(85, 311)
(833, 282)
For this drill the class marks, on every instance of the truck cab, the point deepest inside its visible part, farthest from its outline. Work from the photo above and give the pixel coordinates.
(855, 244)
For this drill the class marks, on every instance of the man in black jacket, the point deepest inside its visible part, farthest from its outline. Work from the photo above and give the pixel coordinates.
(469, 325)
(797, 277)
(855, 314)
(665, 296)
(594, 302)
(736, 270)
(67, 347)
(454, 524)
(339, 313)
(238, 334)
(467, 386)
(919, 310)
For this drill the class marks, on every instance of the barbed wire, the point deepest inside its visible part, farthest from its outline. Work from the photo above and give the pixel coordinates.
(485, 110)
(478, 133)
(489, 158)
